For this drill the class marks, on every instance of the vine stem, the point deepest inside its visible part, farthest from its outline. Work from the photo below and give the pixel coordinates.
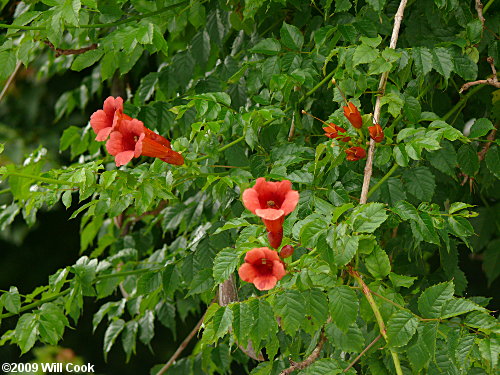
(221, 149)
(382, 180)
(398, 18)
(362, 353)
(36, 304)
(100, 25)
(367, 292)
(42, 179)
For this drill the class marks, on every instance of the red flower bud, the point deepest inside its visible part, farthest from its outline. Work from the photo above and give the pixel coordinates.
(376, 133)
(275, 238)
(351, 112)
(332, 131)
(286, 251)
(355, 153)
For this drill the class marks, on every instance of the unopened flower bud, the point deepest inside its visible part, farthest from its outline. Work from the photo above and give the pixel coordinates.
(286, 251)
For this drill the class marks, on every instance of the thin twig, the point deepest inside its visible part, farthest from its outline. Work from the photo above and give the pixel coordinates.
(309, 360)
(479, 10)
(493, 81)
(292, 128)
(398, 18)
(362, 353)
(10, 80)
(491, 137)
(380, 321)
(78, 51)
(181, 347)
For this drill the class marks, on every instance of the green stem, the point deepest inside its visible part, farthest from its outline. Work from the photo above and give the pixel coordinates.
(221, 149)
(462, 101)
(488, 4)
(313, 90)
(3, 191)
(383, 179)
(36, 304)
(127, 273)
(378, 317)
(100, 25)
(43, 179)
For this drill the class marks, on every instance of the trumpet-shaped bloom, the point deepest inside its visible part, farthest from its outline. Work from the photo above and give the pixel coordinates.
(376, 133)
(105, 120)
(351, 112)
(332, 131)
(271, 201)
(262, 267)
(130, 139)
(355, 153)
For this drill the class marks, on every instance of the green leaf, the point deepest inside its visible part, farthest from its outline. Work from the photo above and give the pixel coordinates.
(420, 183)
(232, 224)
(351, 341)
(70, 10)
(364, 54)
(378, 263)
(291, 37)
(489, 348)
(8, 64)
(146, 88)
(482, 321)
(344, 306)
(377, 5)
(480, 128)
(268, 46)
(459, 306)
(423, 60)
(222, 321)
(225, 263)
(400, 328)
(147, 327)
(202, 282)
(445, 159)
(312, 231)
(290, 306)
(401, 280)
(492, 159)
(26, 332)
(171, 279)
(423, 350)
(432, 300)
(367, 218)
(264, 323)
(129, 338)
(148, 283)
(316, 306)
(86, 59)
(112, 332)
(11, 300)
(468, 160)
(442, 61)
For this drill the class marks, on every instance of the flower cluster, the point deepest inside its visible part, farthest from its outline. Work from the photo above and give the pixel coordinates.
(333, 131)
(271, 201)
(127, 138)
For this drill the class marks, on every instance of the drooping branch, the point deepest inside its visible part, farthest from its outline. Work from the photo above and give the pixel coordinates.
(362, 353)
(181, 347)
(10, 80)
(309, 360)
(493, 81)
(398, 18)
(78, 51)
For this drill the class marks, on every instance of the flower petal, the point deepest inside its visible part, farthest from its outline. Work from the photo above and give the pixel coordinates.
(114, 145)
(269, 213)
(99, 120)
(271, 254)
(265, 282)
(278, 269)
(255, 255)
(290, 202)
(251, 200)
(123, 158)
(111, 105)
(103, 134)
(247, 272)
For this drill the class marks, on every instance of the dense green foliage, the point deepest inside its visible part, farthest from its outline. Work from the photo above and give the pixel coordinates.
(226, 82)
